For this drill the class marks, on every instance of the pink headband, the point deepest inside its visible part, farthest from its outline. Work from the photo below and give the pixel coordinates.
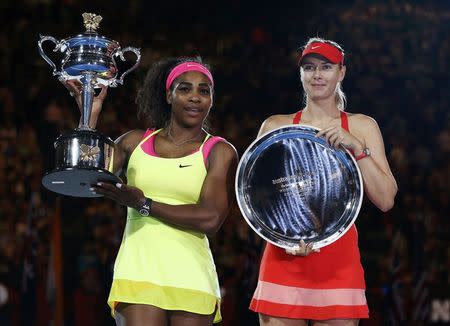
(187, 66)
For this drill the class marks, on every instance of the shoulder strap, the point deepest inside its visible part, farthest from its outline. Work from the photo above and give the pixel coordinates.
(208, 145)
(344, 125)
(344, 120)
(207, 137)
(148, 140)
(149, 133)
(297, 117)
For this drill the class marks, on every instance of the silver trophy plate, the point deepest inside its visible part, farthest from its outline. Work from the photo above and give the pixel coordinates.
(291, 185)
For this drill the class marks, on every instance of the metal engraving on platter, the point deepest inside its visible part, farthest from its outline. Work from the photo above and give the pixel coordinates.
(292, 185)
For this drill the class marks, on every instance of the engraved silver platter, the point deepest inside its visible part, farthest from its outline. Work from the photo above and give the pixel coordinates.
(291, 185)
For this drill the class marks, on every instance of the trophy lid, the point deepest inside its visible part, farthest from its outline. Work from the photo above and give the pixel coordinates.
(90, 37)
(91, 22)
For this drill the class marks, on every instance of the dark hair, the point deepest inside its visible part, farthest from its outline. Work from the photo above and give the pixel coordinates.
(151, 98)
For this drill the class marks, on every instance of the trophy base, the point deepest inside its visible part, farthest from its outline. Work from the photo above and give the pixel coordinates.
(76, 182)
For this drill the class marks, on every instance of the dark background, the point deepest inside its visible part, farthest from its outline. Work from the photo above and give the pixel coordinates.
(397, 55)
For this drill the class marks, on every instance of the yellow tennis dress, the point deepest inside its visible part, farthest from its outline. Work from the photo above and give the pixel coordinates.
(160, 264)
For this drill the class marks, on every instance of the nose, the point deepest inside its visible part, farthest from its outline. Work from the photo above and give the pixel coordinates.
(317, 72)
(195, 97)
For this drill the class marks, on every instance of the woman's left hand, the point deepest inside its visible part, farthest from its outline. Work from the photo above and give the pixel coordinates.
(336, 136)
(304, 249)
(121, 193)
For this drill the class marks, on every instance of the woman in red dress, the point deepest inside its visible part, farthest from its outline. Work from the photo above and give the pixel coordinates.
(326, 286)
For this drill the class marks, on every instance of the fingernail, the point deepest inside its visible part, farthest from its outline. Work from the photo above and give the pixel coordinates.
(99, 183)
(91, 189)
(119, 185)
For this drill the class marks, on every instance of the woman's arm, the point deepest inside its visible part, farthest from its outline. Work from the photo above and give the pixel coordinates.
(216, 196)
(124, 146)
(215, 200)
(379, 183)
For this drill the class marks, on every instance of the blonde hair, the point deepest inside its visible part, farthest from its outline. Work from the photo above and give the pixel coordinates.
(341, 99)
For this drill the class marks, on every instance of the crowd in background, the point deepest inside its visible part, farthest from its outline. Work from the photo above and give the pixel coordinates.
(398, 72)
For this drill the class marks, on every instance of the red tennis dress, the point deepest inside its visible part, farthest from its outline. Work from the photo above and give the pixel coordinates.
(325, 285)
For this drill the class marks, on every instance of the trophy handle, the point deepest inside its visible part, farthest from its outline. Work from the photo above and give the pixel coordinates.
(120, 53)
(46, 58)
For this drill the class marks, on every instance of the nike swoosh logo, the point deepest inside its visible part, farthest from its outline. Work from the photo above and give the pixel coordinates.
(184, 166)
(315, 47)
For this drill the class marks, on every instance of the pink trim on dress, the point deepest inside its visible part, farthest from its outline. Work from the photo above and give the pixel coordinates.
(148, 146)
(309, 297)
(208, 146)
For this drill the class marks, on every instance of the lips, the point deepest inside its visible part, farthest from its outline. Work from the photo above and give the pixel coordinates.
(193, 111)
(318, 87)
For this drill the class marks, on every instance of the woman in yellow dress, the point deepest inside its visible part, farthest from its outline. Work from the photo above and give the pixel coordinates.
(179, 190)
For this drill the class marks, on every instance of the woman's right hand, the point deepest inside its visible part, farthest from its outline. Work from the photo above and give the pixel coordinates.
(75, 88)
(303, 250)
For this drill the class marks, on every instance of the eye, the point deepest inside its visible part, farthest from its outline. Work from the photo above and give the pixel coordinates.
(308, 67)
(183, 88)
(327, 66)
(205, 91)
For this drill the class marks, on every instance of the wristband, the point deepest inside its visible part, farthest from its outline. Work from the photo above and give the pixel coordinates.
(365, 153)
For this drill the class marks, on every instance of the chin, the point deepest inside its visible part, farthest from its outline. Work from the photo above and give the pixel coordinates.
(192, 122)
(320, 96)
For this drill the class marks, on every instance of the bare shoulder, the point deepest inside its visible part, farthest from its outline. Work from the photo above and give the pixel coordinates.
(362, 123)
(224, 150)
(275, 121)
(129, 140)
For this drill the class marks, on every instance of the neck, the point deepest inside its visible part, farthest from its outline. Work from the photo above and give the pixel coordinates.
(322, 109)
(180, 135)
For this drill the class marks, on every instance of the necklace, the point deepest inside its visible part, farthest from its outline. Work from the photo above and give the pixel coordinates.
(169, 133)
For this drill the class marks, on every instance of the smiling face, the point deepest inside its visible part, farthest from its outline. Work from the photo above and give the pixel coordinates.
(190, 98)
(320, 78)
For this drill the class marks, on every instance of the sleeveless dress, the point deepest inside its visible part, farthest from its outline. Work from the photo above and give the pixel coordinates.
(325, 285)
(160, 264)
